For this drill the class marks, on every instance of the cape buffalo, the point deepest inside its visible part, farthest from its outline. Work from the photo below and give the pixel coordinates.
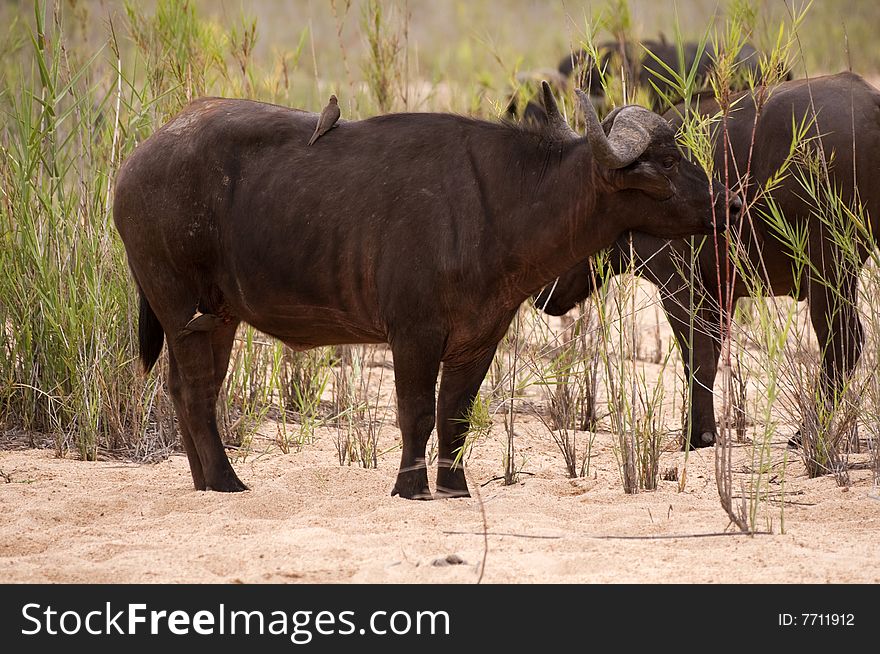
(425, 231)
(847, 115)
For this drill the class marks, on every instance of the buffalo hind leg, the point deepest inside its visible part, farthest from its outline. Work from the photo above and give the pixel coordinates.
(189, 446)
(193, 384)
(841, 337)
(416, 364)
(459, 385)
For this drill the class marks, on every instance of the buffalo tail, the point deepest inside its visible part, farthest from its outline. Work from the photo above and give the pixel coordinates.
(150, 334)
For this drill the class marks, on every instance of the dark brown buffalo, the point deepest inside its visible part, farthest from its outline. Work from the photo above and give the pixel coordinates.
(847, 114)
(425, 231)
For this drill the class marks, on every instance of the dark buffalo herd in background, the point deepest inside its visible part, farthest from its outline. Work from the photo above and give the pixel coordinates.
(844, 114)
(434, 230)
(639, 65)
(646, 69)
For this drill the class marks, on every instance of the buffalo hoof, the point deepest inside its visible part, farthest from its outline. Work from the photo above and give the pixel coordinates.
(228, 482)
(445, 493)
(451, 483)
(412, 485)
(705, 439)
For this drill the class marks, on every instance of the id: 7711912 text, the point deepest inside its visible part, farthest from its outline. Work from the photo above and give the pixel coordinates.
(817, 619)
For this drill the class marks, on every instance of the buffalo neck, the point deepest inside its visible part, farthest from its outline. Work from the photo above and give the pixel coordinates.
(541, 207)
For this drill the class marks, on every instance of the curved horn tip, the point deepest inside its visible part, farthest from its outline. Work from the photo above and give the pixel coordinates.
(586, 104)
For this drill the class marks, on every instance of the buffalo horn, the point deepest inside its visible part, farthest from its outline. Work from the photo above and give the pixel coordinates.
(628, 139)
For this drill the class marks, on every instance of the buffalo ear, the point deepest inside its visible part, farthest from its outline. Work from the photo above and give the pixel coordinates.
(511, 111)
(535, 114)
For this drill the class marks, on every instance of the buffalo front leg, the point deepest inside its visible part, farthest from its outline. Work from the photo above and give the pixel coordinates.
(193, 385)
(459, 385)
(699, 343)
(416, 364)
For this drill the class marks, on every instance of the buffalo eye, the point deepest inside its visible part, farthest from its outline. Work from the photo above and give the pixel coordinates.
(669, 162)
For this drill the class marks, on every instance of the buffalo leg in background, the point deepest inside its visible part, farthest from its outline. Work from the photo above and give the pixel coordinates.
(700, 347)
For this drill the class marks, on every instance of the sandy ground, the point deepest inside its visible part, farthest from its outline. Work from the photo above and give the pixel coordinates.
(306, 519)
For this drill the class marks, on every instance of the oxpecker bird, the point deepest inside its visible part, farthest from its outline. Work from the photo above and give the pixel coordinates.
(328, 119)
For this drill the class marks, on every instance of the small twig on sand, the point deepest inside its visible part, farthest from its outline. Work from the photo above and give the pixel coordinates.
(777, 500)
(7, 477)
(663, 537)
(496, 533)
(485, 535)
(677, 536)
(489, 481)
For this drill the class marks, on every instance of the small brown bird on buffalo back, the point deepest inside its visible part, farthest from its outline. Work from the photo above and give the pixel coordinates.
(327, 121)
